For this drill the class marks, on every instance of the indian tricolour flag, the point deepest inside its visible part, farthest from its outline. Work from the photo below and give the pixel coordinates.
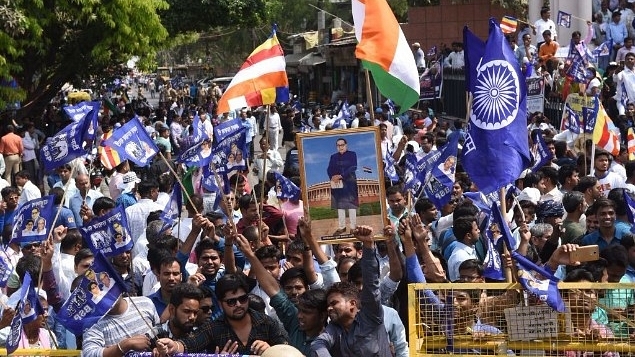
(384, 51)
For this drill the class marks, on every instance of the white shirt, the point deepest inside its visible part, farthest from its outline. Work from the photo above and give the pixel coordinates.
(609, 182)
(274, 162)
(541, 26)
(627, 78)
(29, 192)
(274, 121)
(554, 195)
(455, 60)
(137, 215)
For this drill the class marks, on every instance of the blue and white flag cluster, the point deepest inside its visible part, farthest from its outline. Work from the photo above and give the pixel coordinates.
(65, 146)
(496, 133)
(108, 234)
(540, 151)
(440, 174)
(172, 211)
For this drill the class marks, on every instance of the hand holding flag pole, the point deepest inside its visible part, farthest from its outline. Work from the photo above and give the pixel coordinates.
(187, 195)
(509, 277)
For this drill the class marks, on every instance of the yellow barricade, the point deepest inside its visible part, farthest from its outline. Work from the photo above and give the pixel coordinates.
(502, 319)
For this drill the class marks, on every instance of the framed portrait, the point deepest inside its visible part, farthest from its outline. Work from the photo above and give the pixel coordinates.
(342, 182)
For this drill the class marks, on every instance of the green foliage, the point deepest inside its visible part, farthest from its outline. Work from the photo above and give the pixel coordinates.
(68, 40)
(203, 15)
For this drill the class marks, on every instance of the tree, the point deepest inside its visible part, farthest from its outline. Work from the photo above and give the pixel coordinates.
(67, 40)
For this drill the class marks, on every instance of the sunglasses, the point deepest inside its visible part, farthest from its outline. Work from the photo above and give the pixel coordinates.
(32, 245)
(241, 299)
(206, 309)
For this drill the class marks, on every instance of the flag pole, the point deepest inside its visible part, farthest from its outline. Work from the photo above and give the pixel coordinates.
(179, 181)
(264, 168)
(220, 185)
(57, 215)
(369, 96)
(501, 195)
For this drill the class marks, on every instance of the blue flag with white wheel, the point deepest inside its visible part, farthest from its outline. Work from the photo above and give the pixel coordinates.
(496, 147)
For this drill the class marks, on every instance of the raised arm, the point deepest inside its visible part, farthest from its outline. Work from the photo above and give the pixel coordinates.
(267, 282)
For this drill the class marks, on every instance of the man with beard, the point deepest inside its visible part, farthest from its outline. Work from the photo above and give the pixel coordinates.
(301, 311)
(240, 330)
(183, 308)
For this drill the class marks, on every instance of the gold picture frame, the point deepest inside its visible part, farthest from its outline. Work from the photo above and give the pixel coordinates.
(342, 173)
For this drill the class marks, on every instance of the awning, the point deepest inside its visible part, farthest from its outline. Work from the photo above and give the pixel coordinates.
(312, 59)
(294, 59)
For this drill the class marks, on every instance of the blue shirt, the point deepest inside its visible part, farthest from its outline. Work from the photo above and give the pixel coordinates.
(616, 32)
(66, 218)
(158, 302)
(595, 238)
(126, 200)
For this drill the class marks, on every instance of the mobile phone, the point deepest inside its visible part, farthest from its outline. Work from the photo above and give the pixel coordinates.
(586, 253)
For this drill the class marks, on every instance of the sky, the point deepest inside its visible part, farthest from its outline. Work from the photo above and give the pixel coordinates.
(317, 151)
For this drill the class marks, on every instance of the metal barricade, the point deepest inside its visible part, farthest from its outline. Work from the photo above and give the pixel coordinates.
(501, 319)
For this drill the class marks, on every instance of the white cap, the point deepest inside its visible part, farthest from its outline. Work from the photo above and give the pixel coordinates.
(529, 194)
(128, 182)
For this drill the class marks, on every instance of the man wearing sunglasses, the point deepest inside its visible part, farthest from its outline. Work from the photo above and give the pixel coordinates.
(240, 330)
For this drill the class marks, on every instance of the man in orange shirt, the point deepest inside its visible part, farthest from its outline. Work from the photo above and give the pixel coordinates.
(12, 149)
(547, 51)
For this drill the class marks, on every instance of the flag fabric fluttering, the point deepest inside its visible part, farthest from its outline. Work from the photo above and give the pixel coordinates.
(389, 167)
(540, 151)
(432, 51)
(225, 129)
(571, 120)
(28, 308)
(261, 80)
(89, 111)
(589, 116)
(564, 19)
(6, 269)
(545, 287)
(495, 133)
(603, 50)
(285, 188)
(413, 179)
(133, 143)
(539, 282)
(630, 143)
(440, 173)
(108, 234)
(509, 24)
(231, 152)
(343, 115)
(65, 146)
(630, 209)
(98, 290)
(109, 158)
(384, 51)
(603, 135)
(33, 220)
(492, 264)
(172, 211)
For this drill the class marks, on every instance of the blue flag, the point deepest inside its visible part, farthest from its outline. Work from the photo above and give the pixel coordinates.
(540, 151)
(440, 176)
(225, 129)
(589, 116)
(577, 67)
(571, 120)
(391, 106)
(198, 154)
(630, 211)
(545, 287)
(209, 179)
(172, 211)
(496, 133)
(231, 152)
(108, 234)
(506, 234)
(33, 220)
(27, 310)
(285, 188)
(603, 49)
(64, 146)
(413, 180)
(389, 167)
(133, 143)
(6, 268)
(492, 264)
(89, 111)
(472, 57)
(97, 292)
(564, 19)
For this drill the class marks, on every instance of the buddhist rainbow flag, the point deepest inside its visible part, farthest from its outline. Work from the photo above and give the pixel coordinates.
(509, 24)
(261, 80)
